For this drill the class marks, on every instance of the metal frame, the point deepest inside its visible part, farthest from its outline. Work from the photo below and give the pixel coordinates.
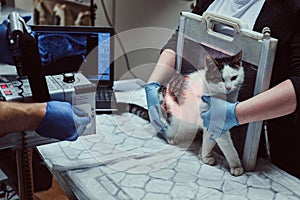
(258, 49)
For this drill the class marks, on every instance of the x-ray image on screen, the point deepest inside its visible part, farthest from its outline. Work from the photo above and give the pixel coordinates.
(76, 48)
(53, 47)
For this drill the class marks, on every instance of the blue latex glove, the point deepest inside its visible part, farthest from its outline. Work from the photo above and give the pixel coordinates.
(62, 121)
(154, 108)
(220, 117)
(5, 53)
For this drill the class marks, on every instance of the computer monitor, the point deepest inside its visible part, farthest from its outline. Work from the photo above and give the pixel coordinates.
(88, 49)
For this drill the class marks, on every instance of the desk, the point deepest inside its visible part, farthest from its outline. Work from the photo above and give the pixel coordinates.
(126, 160)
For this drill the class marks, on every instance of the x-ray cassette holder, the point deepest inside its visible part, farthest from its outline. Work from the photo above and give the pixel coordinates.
(258, 49)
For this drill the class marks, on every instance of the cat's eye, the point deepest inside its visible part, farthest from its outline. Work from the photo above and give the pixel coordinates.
(233, 78)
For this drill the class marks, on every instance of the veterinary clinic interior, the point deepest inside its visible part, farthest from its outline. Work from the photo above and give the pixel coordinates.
(136, 79)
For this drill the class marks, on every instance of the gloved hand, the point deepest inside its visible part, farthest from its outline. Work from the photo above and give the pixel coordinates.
(220, 117)
(5, 54)
(154, 108)
(62, 121)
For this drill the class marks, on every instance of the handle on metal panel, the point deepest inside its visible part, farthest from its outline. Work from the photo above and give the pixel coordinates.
(213, 19)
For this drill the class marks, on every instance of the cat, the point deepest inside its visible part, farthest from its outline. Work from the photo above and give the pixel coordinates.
(181, 106)
(224, 78)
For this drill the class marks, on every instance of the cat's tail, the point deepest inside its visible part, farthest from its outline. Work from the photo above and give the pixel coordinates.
(134, 109)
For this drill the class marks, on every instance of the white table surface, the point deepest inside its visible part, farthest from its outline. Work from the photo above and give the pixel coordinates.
(126, 160)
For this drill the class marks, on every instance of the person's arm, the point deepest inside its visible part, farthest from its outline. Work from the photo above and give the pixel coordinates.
(166, 63)
(222, 115)
(275, 102)
(160, 75)
(54, 119)
(16, 116)
(164, 67)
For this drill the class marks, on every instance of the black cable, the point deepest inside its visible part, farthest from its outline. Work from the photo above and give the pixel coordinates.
(19, 67)
(118, 38)
(20, 87)
(93, 14)
(26, 168)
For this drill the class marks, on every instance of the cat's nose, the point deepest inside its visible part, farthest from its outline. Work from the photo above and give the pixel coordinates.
(228, 88)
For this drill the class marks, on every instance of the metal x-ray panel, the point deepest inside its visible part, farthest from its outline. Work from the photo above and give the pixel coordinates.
(258, 55)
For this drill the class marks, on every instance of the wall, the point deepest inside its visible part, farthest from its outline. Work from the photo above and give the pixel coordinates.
(26, 5)
(131, 16)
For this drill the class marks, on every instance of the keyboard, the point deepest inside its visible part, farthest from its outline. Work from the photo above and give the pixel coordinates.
(105, 99)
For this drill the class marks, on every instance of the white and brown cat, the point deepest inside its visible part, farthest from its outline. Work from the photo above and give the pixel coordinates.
(181, 105)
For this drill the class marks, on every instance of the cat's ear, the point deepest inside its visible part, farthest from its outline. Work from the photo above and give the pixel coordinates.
(237, 59)
(210, 62)
(212, 72)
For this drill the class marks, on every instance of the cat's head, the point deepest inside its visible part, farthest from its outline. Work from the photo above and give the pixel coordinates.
(224, 75)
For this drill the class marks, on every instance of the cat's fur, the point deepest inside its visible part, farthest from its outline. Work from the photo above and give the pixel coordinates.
(181, 105)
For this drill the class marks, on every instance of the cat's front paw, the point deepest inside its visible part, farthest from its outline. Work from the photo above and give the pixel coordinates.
(204, 107)
(209, 160)
(172, 141)
(237, 171)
